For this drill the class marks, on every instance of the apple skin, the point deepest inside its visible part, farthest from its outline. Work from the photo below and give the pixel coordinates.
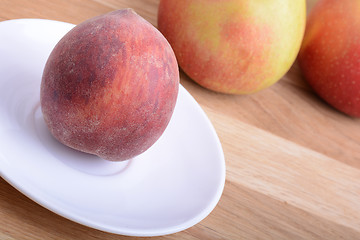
(110, 86)
(234, 46)
(330, 54)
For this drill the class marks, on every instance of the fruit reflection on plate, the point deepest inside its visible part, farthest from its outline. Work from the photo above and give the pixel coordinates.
(170, 187)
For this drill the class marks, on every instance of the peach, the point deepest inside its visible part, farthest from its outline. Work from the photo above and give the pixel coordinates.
(330, 53)
(234, 46)
(110, 86)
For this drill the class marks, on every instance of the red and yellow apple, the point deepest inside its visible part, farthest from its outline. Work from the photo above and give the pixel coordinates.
(234, 46)
(110, 86)
(330, 53)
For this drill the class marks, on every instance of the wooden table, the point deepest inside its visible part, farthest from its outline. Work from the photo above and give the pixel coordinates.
(293, 162)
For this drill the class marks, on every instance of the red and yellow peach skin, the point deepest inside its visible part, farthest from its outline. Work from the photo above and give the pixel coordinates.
(234, 46)
(110, 85)
(330, 54)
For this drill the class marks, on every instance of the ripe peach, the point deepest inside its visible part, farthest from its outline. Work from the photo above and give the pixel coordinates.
(330, 54)
(110, 86)
(234, 46)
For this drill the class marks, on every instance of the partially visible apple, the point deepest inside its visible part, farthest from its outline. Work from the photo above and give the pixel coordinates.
(330, 53)
(110, 85)
(234, 46)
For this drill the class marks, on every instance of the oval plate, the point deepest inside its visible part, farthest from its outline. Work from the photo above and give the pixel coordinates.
(172, 186)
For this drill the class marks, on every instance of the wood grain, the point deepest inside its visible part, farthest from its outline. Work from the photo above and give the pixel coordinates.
(293, 162)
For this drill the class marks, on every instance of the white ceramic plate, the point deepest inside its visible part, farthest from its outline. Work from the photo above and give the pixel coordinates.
(170, 187)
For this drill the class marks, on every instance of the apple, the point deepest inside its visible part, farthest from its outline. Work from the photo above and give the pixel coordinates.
(234, 46)
(109, 86)
(330, 54)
